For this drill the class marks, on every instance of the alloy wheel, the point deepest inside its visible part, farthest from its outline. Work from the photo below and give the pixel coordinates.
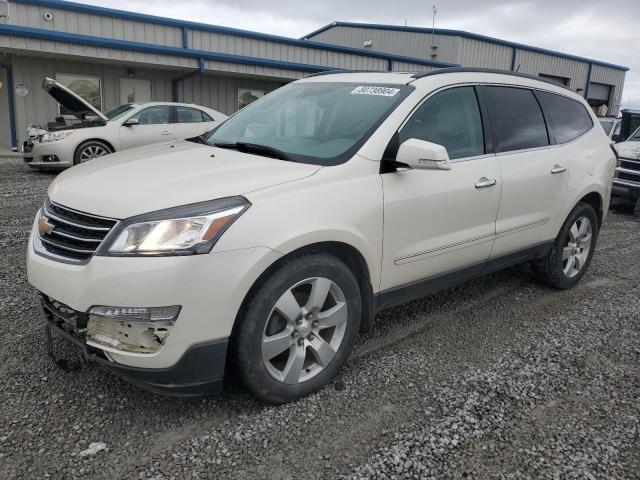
(576, 252)
(92, 151)
(304, 331)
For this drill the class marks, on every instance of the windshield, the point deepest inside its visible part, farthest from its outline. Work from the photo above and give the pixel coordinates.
(635, 136)
(117, 112)
(323, 123)
(607, 125)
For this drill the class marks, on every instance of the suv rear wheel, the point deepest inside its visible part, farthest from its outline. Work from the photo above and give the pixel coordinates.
(298, 328)
(572, 250)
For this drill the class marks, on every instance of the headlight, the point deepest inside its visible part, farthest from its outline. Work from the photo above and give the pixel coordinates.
(55, 136)
(191, 229)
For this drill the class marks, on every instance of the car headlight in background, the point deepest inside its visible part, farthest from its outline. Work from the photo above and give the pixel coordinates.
(55, 136)
(191, 229)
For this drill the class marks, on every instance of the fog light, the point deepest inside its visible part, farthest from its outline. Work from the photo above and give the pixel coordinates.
(130, 329)
(50, 158)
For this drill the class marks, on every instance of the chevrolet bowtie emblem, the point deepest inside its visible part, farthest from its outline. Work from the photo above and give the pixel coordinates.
(44, 227)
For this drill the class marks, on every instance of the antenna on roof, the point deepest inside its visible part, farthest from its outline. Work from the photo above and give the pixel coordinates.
(434, 48)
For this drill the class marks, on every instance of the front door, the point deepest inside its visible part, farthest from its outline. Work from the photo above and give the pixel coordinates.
(441, 221)
(154, 126)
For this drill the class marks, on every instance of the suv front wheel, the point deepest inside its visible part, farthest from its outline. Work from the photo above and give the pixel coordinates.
(572, 250)
(298, 328)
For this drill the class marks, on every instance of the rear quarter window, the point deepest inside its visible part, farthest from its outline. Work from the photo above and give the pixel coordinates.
(569, 117)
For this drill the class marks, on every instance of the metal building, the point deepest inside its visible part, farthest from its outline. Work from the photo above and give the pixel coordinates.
(600, 82)
(113, 57)
(116, 57)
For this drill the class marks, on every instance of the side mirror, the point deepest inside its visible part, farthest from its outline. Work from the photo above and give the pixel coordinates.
(131, 122)
(422, 155)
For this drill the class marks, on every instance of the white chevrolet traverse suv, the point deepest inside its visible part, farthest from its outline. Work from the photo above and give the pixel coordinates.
(269, 244)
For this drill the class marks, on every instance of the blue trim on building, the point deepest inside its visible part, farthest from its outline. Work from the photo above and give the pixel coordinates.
(586, 88)
(90, 9)
(185, 37)
(12, 106)
(175, 83)
(461, 33)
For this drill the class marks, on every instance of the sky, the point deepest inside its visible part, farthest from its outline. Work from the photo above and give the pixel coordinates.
(607, 31)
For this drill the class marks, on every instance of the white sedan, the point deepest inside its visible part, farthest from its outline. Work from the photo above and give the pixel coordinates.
(94, 134)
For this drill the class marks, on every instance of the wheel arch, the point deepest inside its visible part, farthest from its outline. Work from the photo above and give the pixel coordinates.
(349, 254)
(95, 139)
(594, 199)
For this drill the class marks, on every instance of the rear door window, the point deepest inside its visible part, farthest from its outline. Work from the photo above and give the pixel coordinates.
(189, 115)
(570, 119)
(450, 118)
(517, 119)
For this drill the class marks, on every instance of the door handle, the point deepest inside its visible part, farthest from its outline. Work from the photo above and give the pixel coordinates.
(165, 132)
(558, 169)
(485, 182)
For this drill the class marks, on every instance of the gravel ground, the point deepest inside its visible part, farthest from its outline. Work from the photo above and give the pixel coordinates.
(497, 378)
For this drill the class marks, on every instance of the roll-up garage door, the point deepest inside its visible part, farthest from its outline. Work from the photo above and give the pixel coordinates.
(599, 91)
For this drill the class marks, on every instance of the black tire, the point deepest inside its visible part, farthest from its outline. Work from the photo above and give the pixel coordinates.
(96, 144)
(246, 341)
(550, 270)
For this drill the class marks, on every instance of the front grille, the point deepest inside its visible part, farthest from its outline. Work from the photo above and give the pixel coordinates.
(71, 234)
(628, 171)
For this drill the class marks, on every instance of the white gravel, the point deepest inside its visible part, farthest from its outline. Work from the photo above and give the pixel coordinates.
(498, 378)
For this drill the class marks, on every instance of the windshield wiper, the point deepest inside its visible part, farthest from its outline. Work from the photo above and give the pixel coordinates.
(255, 148)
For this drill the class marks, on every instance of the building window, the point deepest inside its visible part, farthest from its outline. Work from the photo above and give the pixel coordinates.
(247, 96)
(86, 87)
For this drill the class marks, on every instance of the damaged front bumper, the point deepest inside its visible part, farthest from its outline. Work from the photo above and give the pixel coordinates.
(200, 370)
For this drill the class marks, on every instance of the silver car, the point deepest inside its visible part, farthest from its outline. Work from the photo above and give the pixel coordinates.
(90, 133)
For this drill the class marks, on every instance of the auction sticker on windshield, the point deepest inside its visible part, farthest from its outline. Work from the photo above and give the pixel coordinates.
(381, 91)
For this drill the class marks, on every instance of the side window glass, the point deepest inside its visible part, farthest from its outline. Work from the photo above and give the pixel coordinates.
(450, 118)
(206, 117)
(156, 115)
(189, 115)
(570, 119)
(517, 121)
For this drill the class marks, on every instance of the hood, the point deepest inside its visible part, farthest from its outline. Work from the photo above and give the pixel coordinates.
(167, 175)
(77, 105)
(629, 150)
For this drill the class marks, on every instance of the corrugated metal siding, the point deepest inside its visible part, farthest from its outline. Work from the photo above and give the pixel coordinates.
(474, 53)
(401, 43)
(612, 77)
(39, 108)
(253, 70)
(220, 92)
(411, 67)
(99, 26)
(65, 48)
(234, 45)
(537, 63)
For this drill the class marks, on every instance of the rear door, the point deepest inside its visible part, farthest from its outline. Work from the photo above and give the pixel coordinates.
(192, 122)
(154, 125)
(533, 167)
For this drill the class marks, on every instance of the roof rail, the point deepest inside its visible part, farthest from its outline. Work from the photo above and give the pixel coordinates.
(440, 71)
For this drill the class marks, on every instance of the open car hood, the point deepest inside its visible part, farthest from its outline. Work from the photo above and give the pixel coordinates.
(77, 105)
